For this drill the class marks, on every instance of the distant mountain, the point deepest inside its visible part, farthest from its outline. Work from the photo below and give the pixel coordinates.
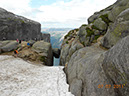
(57, 35)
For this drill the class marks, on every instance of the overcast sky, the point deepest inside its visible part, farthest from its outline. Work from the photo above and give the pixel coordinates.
(56, 13)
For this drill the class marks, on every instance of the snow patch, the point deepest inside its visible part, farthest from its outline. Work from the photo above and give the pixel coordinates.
(21, 78)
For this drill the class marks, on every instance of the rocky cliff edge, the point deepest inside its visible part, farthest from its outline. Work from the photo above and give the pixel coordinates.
(14, 27)
(95, 55)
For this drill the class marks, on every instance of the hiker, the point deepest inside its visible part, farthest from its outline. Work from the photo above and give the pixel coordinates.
(19, 41)
(15, 53)
(28, 44)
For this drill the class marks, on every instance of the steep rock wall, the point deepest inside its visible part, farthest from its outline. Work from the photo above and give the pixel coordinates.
(91, 69)
(14, 27)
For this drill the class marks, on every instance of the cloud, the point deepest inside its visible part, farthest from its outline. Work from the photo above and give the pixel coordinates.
(17, 6)
(70, 13)
(59, 14)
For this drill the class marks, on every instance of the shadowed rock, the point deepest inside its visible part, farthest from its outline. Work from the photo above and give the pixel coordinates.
(56, 52)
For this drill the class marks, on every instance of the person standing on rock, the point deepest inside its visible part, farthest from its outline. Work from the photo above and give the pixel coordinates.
(28, 44)
(17, 40)
(15, 53)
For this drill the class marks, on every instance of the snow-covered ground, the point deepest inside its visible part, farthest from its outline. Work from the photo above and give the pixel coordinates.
(21, 78)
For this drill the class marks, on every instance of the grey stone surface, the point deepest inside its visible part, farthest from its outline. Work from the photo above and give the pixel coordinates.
(117, 31)
(92, 18)
(14, 27)
(92, 67)
(45, 50)
(3, 43)
(124, 15)
(9, 46)
(116, 66)
(92, 38)
(82, 33)
(83, 38)
(46, 37)
(119, 6)
(64, 54)
(100, 24)
(85, 73)
(78, 89)
(68, 49)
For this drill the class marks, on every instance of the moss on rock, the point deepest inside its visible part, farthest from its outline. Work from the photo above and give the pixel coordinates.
(76, 29)
(94, 27)
(83, 25)
(89, 32)
(67, 42)
(105, 19)
(96, 37)
(69, 33)
(43, 59)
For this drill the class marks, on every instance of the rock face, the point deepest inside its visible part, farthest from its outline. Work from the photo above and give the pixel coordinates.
(100, 24)
(46, 37)
(116, 66)
(3, 43)
(8, 46)
(44, 49)
(120, 22)
(69, 46)
(99, 65)
(14, 27)
(93, 72)
(85, 73)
